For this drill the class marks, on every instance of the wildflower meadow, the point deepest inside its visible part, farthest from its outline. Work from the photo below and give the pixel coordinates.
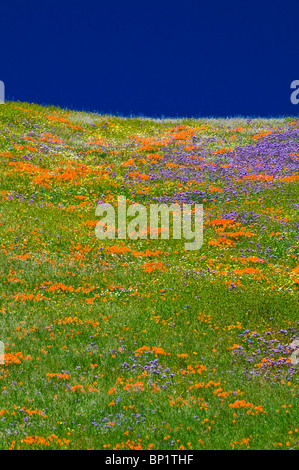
(134, 344)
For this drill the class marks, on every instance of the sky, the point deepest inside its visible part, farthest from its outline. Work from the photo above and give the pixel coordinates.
(158, 58)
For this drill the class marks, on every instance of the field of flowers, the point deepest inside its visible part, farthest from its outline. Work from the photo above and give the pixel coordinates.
(139, 344)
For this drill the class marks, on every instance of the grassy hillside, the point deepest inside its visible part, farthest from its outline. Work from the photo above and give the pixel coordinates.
(123, 344)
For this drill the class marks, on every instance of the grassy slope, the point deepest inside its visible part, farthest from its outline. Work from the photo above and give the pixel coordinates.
(77, 307)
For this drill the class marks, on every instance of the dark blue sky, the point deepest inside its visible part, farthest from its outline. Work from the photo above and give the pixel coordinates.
(152, 57)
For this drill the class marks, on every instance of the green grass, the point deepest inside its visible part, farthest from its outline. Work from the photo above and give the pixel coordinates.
(103, 306)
